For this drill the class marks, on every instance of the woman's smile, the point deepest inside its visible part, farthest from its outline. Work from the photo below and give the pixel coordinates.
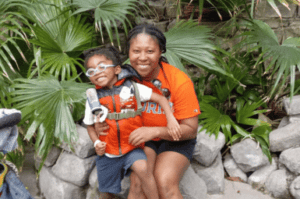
(144, 54)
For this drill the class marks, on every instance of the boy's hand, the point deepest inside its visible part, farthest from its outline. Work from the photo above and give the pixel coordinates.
(174, 129)
(100, 148)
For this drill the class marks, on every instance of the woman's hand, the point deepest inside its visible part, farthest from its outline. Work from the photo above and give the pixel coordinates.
(100, 127)
(141, 135)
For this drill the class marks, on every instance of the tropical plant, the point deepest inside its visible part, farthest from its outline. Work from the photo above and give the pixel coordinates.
(233, 7)
(46, 105)
(195, 47)
(11, 21)
(13, 29)
(231, 106)
(59, 39)
(237, 100)
(284, 59)
(108, 14)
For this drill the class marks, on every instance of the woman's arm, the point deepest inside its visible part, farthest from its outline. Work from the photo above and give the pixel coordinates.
(188, 128)
(173, 126)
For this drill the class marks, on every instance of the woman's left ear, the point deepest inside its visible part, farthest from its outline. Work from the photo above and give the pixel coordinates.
(118, 69)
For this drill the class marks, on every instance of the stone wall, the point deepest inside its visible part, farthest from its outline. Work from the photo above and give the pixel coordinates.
(73, 175)
(163, 15)
(288, 26)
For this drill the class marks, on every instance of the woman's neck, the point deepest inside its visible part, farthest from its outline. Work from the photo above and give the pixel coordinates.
(152, 75)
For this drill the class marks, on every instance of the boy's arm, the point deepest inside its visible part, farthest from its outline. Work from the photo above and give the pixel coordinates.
(173, 125)
(92, 133)
(100, 146)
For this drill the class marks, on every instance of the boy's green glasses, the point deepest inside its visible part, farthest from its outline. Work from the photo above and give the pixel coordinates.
(100, 68)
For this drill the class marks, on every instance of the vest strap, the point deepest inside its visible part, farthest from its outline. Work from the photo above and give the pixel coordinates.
(128, 114)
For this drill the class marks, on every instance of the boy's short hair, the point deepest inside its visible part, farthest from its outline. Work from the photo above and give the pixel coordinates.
(111, 53)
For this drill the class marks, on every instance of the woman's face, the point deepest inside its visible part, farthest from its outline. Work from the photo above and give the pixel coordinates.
(144, 54)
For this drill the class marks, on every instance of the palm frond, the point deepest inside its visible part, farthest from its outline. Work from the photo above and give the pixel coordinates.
(61, 38)
(11, 29)
(46, 103)
(214, 121)
(106, 13)
(194, 47)
(261, 134)
(285, 58)
(5, 98)
(247, 109)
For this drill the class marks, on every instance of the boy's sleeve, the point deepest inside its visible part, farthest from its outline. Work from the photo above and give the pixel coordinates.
(145, 92)
(88, 116)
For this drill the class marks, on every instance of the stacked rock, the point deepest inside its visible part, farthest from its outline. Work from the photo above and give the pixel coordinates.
(285, 142)
(65, 174)
(281, 178)
(207, 161)
(72, 175)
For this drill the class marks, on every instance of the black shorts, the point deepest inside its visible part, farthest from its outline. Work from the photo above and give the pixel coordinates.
(185, 147)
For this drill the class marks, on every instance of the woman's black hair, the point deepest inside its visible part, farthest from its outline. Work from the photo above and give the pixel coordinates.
(149, 30)
(111, 53)
(156, 34)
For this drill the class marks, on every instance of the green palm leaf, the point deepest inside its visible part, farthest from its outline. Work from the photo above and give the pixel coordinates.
(5, 98)
(61, 37)
(46, 103)
(247, 109)
(285, 58)
(106, 14)
(261, 134)
(190, 42)
(11, 29)
(214, 121)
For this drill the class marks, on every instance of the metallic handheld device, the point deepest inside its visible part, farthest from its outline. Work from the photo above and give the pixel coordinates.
(95, 105)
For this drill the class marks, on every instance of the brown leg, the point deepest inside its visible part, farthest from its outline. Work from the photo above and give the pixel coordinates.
(135, 191)
(169, 169)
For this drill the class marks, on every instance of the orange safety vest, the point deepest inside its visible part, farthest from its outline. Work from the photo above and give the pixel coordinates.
(124, 115)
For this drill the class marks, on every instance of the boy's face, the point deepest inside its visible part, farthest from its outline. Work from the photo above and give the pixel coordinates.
(106, 78)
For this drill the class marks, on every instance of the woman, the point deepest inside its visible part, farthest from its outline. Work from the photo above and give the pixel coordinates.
(166, 158)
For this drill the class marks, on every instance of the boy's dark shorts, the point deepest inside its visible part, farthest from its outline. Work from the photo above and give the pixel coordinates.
(111, 171)
(185, 147)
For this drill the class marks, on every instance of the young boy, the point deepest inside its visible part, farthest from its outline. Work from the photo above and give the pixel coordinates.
(121, 97)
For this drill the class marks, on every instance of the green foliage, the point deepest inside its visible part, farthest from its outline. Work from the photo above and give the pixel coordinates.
(234, 104)
(45, 103)
(59, 39)
(107, 13)
(195, 47)
(5, 99)
(17, 156)
(11, 29)
(233, 7)
(284, 58)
